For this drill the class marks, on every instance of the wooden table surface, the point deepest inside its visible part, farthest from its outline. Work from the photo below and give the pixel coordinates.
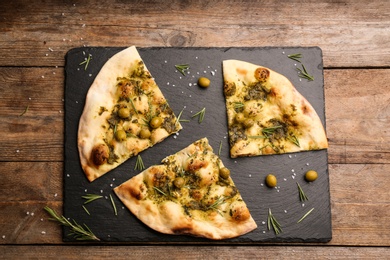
(353, 35)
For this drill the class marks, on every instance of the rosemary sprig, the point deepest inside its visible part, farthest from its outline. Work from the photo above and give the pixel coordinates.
(220, 149)
(91, 197)
(139, 164)
(270, 130)
(132, 104)
(295, 56)
(200, 114)
(86, 61)
(113, 206)
(302, 195)
(79, 232)
(178, 119)
(86, 210)
(182, 67)
(304, 216)
(304, 74)
(159, 191)
(294, 140)
(238, 105)
(218, 202)
(25, 111)
(274, 223)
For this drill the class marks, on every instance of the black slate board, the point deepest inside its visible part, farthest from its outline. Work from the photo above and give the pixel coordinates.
(248, 173)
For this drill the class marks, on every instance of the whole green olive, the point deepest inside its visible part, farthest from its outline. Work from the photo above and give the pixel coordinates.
(249, 122)
(120, 135)
(311, 175)
(240, 118)
(203, 82)
(224, 173)
(124, 113)
(179, 182)
(271, 180)
(145, 133)
(156, 122)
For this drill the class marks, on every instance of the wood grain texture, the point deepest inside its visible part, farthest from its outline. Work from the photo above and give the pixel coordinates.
(357, 122)
(197, 252)
(35, 37)
(351, 33)
(359, 204)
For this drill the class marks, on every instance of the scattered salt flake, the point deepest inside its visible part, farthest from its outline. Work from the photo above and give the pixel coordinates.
(32, 214)
(101, 191)
(81, 38)
(111, 185)
(293, 176)
(212, 73)
(263, 222)
(29, 98)
(46, 54)
(300, 79)
(83, 25)
(261, 184)
(174, 136)
(293, 170)
(196, 57)
(263, 231)
(42, 76)
(90, 75)
(63, 40)
(50, 49)
(54, 72)
(250, 175)
(17, 150)
(55, 195)
(284, 179)
(168, 83)
(285, 211)
(190, 96)
(60, 111)
(289, 156)
(307, 164)
(204, 71)
(165, 61)
(113, 179)
(77, 102)
(78, 68)
(123, 207)
(68, 175)
(63, 14)
(3, 236)
(27, 213)
(303, 204)
(283, 52)
(41, 219)
(190, 84)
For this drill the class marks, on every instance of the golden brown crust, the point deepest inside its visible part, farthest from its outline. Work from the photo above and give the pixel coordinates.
(122, 97)
(266, 114)
(205, 205)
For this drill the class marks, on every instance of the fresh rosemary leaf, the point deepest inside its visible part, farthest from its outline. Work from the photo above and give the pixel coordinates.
(274, 223)
(295, 56)
(91, 197)
(220, 149)
(238, 105)
(160, 191)
(270, 130)
(79, 232)
(179, 116)
(25, 111)
(113, 205)
(257, 136)
(304, 74)
(132, 104)
(304, 216)
(302, 195)
(86, 61)
(201, 114)
(139, 164)
(294, 140)
(86, 210)
(219, 201)
(182, 67)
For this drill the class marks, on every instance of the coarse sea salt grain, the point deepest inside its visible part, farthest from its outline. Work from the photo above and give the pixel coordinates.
(43, 232)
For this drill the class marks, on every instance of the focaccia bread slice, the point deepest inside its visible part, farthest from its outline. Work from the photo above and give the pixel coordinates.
(125, 113)
(266, 114)
(191, 193)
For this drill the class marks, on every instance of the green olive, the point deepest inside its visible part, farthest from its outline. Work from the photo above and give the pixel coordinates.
(145, 133)
(203, 82)
(248, 123)
(224, 173)
(178, 182)
(120, 135)
(271, 181)
(311, 175)
(156, 122)
(240, 118)
(124, 113)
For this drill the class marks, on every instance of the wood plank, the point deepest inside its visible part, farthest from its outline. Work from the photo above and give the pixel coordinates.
(359, 201)
(351, 33)
(348, 95)
(190, 252)
(358, 111)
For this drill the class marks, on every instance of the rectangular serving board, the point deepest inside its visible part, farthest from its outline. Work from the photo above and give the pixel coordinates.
(182, 91)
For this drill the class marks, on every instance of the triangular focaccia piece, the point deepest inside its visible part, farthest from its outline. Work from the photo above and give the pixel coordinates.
(266, 114)
(191, 193)
(125, 113)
